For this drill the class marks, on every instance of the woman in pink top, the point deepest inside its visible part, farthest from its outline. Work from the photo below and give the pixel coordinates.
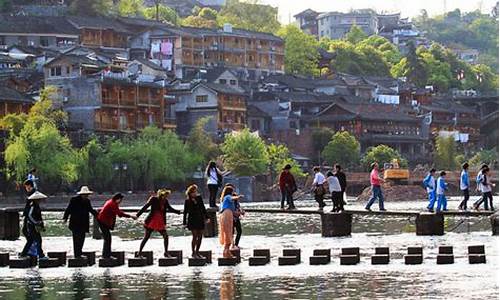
(375, 181)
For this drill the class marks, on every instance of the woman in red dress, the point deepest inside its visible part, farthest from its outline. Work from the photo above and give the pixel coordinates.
(157, 218)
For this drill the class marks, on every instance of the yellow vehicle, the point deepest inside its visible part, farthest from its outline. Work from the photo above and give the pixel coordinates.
(393, 172)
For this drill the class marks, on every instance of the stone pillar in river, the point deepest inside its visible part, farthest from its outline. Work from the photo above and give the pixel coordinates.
(9, 225)
(430, 224)
(494, 223)
(336, 224)
(211, 228)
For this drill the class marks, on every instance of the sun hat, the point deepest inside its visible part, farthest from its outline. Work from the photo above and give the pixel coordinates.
(37, 196)
(84, 190)
(163, 192)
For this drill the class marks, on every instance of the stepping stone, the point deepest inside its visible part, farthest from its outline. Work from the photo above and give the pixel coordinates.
(90, 258)
(49, 263)
(227, 261)
(477, 259)
(21, 263)
(349, 259)
(207, 255)
(288, 260)
(445, 259)
(236, 253)
(120, 256)
(476, 249)
(445, 249)
(78, 262)
(322, 252)
(178, 254)
(413, 259)
(4, 259)
(137, 262)
(382, 250)
(59, 255)
(350, 251)
(262, 252)
(197, 262)
(148, 255)
(292, 252)
(380, 259)
(109, 262)
(168, 262)
(258, 261)
(319, 260)
(415, 250)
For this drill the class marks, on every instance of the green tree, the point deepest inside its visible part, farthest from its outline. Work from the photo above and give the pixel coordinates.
(301, 51)
(95, 169)
(199, 22)
(489, 157)
(444, 156)
(5, 5)
(382, 154)
(249, 15)
(355, 35)
(91, 7)
(200, 142)
(343, 148)
(321, 136)
(208, 13)
(131, 8)
(279, 156)
(245, 153)
(165, 14)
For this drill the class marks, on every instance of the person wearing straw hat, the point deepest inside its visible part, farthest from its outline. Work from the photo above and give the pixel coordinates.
(157, 218)
(78, 211)
(34, 225)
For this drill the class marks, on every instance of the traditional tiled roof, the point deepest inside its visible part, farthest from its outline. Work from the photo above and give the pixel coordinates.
(78, 59)
(9, 94)
(369, 111)
(150, 64)
(97, 23)
(224, 88)
(36, 25)
(254, 111)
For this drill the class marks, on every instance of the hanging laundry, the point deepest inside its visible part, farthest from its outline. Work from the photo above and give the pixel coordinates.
(464, 137)
(155, 48)
(167, 64)
(166, 48)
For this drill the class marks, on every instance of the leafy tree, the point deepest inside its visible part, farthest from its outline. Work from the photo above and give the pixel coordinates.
(199, 140)
(301, 51)
(249, 15)
(95, 169)
(208, 13)
(382, 154)
(343, 148)
(389, 51)
(444, 157)
(165, 14)
(321, 136)
(489, 157)
(5, 5)
(245, 153)
(91, 7)
(355, 35)
(279, 156)
(200, 22)
(131, 8)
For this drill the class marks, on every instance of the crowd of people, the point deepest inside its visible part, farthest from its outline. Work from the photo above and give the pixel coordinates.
(195, 215)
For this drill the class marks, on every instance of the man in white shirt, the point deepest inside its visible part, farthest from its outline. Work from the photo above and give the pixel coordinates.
(318, 188)
(336, 191)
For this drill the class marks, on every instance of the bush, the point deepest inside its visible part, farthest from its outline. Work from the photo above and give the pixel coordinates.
(245, 154)
(382, 154)
(343, 148)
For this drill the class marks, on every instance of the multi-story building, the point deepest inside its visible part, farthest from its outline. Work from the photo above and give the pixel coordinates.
(335, 25)
(13, 101)
(307, 21)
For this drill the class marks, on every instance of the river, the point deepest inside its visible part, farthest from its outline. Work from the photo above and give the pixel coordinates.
(363, 281)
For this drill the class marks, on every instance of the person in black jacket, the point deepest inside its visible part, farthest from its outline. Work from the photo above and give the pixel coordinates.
(29, 189)
(342, 180)
(195, 217)
(157, 218)
(78, 211)
(34, 225)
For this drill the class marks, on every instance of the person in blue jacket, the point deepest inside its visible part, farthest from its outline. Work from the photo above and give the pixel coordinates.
(464, 186)
(441, 188)
(430, 184)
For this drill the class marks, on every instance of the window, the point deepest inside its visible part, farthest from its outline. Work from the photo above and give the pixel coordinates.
(321, 21)
(68, 70)
(222, 81)
(201, 98)
(232, 82)
(44, 41)
(2, 40)
(293, 125)
(55, 71)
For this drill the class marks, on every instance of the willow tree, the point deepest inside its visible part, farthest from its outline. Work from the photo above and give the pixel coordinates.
(245, 154)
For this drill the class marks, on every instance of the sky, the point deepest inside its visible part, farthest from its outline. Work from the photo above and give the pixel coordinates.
(288, 8)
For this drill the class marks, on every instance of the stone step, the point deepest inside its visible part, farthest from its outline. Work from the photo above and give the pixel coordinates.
(262, 252)
(178, 254)
(350, 251)
(380, 259)
(349, 259)
(292, 252)
(476, 249)
(168, 262)
(109, 262)
(207, 255)
(197, 262)
(445, 259)
(445, 249)
(137, 262)
(415, 250)
(319, 260)
(258, 260)
(382, 250)
(21, 263)
(49, 263)
(59, 255)
(227, 261)
(477, 259)
(120, 256)
(90, 257)
(322, 252)
(413, 259)
(78, 262)
(148, 255)
(4, 259)
(288, 260)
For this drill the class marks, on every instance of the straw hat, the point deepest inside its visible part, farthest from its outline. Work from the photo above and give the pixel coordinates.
(85, 191)
(37, 196)
(163, 192)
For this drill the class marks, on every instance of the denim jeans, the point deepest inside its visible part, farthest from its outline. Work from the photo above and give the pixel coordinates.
(432, 200)
(442, 203)
(376, 194)
(288, 197)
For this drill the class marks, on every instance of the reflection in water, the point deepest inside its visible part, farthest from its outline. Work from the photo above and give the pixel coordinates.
(107, 287)
(199, 286)
(34, 285)
(80, 288)
(227, 285)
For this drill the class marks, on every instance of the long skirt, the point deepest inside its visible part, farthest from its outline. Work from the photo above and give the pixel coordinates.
(226, 227)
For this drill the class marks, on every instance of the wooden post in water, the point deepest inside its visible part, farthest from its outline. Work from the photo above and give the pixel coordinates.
(494, 223)
(430, 224)
(211, 228)
(9, 225)
(336, 224)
